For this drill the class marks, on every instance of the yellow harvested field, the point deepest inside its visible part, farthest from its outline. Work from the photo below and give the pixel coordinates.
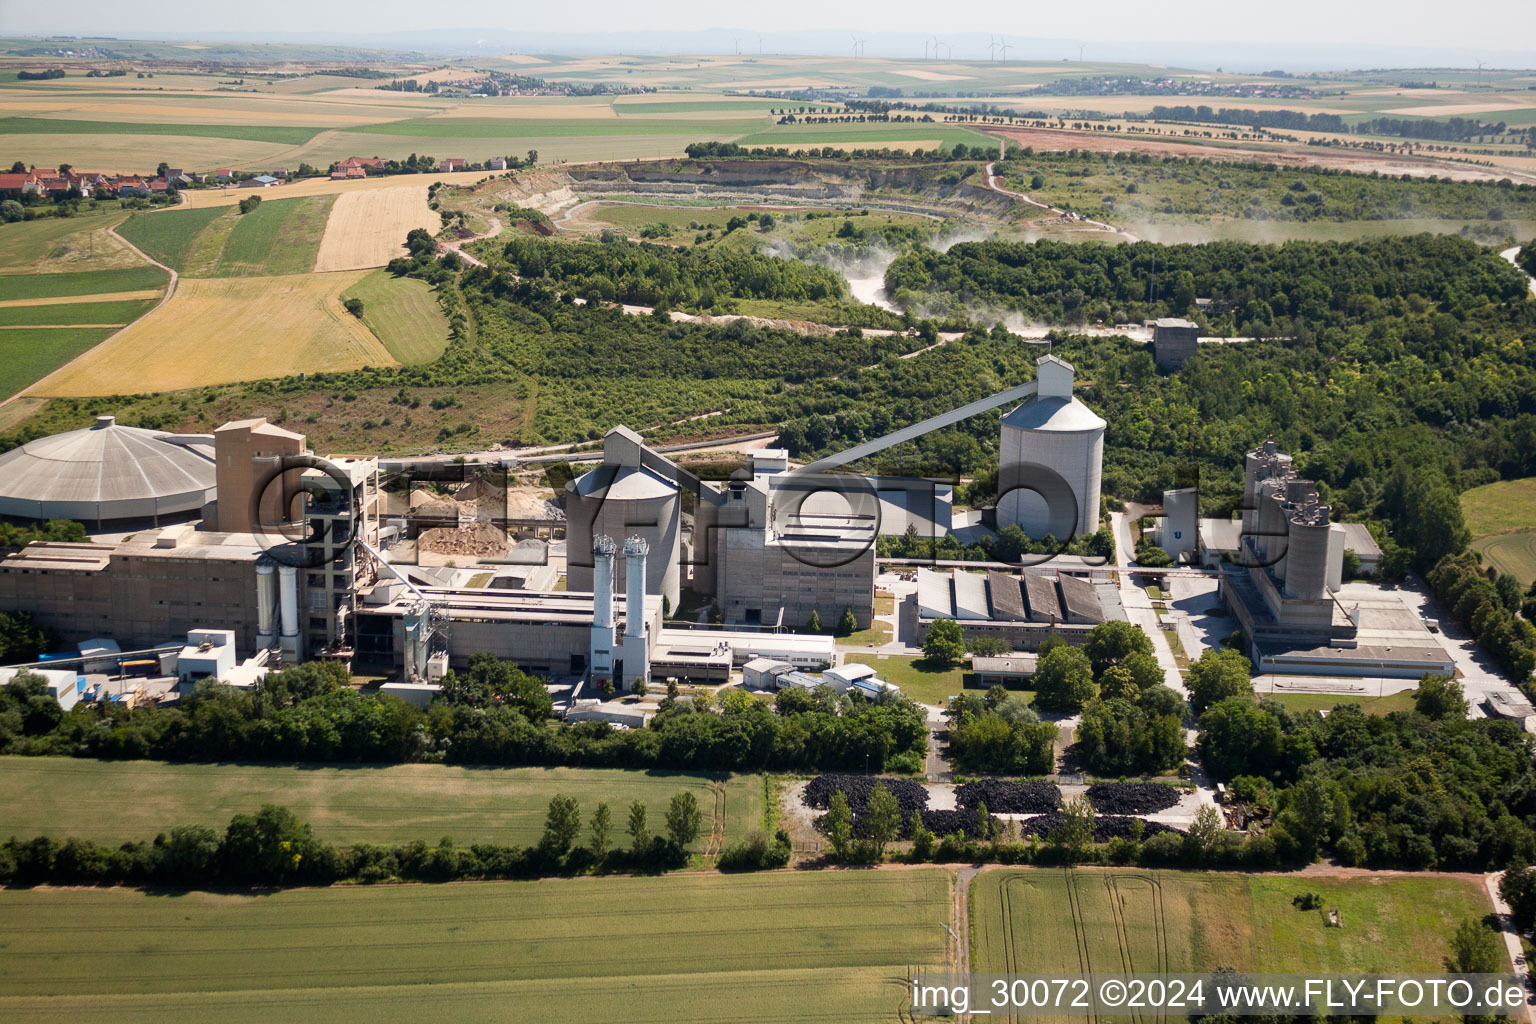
(532, 110)
(934, 76)
(856, 143)
(75, 300)
(224, 330)
(277, 111)
(368, 229)
(196, 199)
(1455, 109)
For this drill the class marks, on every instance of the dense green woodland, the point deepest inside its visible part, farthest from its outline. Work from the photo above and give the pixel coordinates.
(1422, 789)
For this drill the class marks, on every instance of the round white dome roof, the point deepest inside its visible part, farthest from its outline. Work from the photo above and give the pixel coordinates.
(1063, 415)
(107, 472)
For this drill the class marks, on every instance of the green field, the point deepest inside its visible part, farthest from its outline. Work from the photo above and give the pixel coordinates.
(24, 243)
(250, 133)
(27, 355)
(114, 801)
(915, 677)
(120, 312)
(167, 235)
(405, 315)
(512, 128)
(1502, 518)
(1170, 921)
(1402, 701)
(276, 238)
(772, 948)
(48, 286)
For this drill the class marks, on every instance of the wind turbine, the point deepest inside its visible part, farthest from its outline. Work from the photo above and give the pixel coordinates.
(738, 45)
(1003, 46)
(992, 48)
(1080, 50)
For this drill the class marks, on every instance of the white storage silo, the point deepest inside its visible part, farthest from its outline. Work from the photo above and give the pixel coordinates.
(1051, 460)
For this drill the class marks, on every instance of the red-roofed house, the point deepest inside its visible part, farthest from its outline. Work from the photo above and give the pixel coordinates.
(453, 163)
(14, 186)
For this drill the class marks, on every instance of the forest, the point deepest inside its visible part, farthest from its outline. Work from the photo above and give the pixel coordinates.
(1419, 790)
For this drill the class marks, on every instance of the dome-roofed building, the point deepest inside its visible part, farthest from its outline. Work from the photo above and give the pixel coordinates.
(108, 474)
(1052, 459)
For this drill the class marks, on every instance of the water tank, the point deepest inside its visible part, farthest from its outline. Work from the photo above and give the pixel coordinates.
(1051, 460)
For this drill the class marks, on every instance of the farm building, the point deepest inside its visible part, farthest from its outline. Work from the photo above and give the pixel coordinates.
(453, 163)
(260, 181)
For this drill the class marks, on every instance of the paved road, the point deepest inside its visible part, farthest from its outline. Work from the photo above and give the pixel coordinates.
(1511, 939)
(1138, 606)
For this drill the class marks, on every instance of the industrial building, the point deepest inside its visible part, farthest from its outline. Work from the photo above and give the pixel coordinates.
(108, 474)
(1284, 592)
(284, 556)
(1022, 608)
(1174, 341)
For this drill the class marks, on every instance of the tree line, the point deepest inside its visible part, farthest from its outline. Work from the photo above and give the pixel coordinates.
(490, 714)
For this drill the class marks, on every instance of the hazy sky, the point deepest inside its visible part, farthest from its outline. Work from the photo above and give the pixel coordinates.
(1499, 25)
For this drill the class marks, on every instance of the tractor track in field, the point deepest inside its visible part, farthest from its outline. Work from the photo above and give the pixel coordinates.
(716, 841)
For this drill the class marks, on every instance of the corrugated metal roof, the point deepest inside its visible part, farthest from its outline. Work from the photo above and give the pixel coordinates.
(1007, 599)
(106, 472)
(933, 595)
(1043, 603)
(970, 595)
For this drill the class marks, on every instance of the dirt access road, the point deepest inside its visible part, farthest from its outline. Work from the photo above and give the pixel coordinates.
(994, 183)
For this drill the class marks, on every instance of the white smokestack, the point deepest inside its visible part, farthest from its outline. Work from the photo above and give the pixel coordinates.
(602, 582)
(635, 550)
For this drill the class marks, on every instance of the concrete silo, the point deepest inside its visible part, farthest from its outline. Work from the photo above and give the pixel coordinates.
(1051, 459)
(624, 496)
(1307, 553)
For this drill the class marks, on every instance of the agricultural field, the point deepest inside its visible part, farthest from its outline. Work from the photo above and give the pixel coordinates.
(29, 354)
(277, 238)
(404, 314)
(791, 946)
(1117, 920)
(49, 286)
(62, 244)
(1502, 518)
(113, 802)
(368, 228)
(229, 329)
(77, 314)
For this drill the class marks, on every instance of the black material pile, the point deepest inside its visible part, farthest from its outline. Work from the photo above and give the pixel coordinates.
(911, 796)
(940, 823)
(1130, 797)
(1009, 797)
(1105, 827)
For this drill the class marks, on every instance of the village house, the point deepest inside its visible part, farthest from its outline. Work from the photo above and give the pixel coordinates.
(453, 163)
